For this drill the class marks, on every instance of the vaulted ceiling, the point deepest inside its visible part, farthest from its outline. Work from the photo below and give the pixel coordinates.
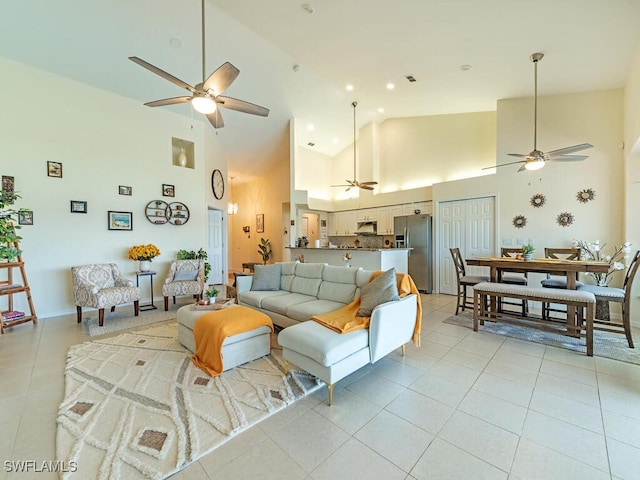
(297, 57)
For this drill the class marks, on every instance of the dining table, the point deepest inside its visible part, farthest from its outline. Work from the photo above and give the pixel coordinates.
(553, 266)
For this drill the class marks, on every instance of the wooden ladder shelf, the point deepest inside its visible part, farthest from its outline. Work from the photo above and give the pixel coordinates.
(10, 317)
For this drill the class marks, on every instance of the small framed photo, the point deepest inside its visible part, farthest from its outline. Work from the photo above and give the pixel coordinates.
(124, 190)
(54, 169)
(78, 206)
(168, 190)
(260, 223)
(120, 220)
(25, 217)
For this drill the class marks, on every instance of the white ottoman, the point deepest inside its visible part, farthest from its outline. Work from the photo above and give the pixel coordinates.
(236, 350)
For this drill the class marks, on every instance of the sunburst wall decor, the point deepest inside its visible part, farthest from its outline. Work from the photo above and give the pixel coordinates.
(565, 219)
(519, 221)
(538, 200)
(586, 195)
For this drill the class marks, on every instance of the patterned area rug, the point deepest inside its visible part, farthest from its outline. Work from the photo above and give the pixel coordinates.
(605, 344)
(136, 407)
(123, 319)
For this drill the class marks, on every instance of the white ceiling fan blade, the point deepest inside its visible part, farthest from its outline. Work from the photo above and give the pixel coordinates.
(563, 151)
(163, 74)
(503, 165)
(568, 158)
(215, 119)
(522, 168)
(221, 78)
(168, 101)
(242, 106)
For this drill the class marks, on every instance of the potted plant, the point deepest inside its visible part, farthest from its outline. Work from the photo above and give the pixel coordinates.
(8, 227)
(211, 293)
(192, 255)
(265, 250)
(527, 251)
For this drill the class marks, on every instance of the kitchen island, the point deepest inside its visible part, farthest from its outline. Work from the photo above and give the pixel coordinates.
(367, 258)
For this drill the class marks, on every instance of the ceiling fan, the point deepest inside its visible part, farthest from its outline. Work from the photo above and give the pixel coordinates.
(206, 96)
(536, 159)
(355, 183)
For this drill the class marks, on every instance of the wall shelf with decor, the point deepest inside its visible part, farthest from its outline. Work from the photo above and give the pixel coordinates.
(11, 317)
(157, 212)
(178, 213)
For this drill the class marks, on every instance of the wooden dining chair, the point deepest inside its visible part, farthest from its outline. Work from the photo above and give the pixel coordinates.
(464, 280)
(515, 278)
(555, 281)
(618, 295)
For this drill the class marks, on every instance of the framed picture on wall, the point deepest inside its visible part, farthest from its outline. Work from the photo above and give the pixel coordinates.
(8, 187)
(260, 223)
(168, 190)
(25, 217)
(124, 190)
(54, 169)
(78, 206)
(120, 220)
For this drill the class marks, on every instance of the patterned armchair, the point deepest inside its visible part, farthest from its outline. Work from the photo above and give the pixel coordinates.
(186, 277)
(101, 286)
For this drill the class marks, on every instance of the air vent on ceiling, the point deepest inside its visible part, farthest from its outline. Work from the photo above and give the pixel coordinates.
(311, 144)
(411, 78)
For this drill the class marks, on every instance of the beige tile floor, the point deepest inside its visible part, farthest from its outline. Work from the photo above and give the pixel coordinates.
(463, 405)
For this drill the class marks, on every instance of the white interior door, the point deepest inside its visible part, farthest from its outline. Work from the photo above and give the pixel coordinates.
(468, 225)
(215, 248)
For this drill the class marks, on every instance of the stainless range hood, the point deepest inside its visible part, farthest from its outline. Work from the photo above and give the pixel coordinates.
(367, 228)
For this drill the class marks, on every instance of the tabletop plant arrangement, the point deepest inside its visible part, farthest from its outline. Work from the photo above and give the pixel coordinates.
(527, 251)
(144, 254)
(595, 251)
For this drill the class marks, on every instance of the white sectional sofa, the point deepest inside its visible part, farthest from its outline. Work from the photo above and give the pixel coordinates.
(308, 289)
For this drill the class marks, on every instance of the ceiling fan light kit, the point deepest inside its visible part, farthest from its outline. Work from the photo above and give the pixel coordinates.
(536, 159)
(206, 96)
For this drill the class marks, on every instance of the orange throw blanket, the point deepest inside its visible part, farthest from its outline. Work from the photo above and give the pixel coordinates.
(345, 319)
(212, 328)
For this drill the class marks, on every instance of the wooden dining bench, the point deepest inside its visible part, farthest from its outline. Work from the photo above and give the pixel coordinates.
(584, 302)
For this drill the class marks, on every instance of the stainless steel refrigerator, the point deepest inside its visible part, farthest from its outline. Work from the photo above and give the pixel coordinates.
(415, 232)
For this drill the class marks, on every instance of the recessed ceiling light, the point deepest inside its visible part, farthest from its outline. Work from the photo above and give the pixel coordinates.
(349, 87)
(334, 141)
(390, 86)
(310, 127)
(465, 68)
(381, 110)
(306, 8)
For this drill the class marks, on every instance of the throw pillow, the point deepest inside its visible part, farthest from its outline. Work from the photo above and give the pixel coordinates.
(266, 277)
(382, 289)
(185, 276)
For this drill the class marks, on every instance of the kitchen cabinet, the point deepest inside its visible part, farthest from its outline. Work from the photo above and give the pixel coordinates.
(342, 223)
(410, 208)
(367, 215)
(385, 218)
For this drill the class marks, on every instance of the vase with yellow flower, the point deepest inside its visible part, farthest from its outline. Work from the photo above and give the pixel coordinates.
(144, 254)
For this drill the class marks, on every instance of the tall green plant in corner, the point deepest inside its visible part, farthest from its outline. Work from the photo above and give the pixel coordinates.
(8, 225)
(265, 250)
(192, 255)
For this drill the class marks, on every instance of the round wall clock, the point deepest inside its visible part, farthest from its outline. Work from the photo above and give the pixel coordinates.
(217, 184)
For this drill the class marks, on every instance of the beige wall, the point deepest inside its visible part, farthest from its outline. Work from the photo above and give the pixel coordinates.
(103, 141)
(267, 195)
(632, 167)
